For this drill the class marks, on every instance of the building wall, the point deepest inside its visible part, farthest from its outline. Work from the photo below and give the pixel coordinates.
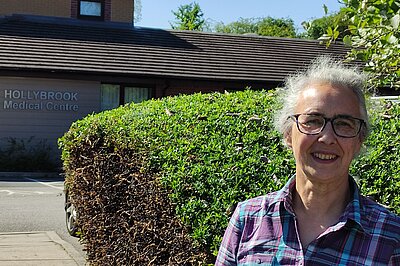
(115, 10)
(57, 8)
(122, 11)
(44, 108)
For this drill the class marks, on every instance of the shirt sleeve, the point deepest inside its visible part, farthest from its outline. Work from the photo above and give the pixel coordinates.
(227, 254)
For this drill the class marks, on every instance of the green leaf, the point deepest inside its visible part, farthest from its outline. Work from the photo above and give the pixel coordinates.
(395, 21)
(335, 33)
(392, 39)
(329, 31)
(347, 40)
(325, 9)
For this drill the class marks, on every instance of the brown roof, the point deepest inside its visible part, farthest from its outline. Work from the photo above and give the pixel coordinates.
(58, 45)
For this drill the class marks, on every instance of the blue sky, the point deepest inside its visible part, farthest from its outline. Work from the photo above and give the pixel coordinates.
(158, 13)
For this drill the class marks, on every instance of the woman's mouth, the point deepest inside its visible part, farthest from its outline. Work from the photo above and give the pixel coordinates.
(324, 156)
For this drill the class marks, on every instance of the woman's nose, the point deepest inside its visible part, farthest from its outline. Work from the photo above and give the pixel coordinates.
(328, 135)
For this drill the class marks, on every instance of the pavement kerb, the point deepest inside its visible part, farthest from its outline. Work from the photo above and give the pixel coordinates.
(76, 256)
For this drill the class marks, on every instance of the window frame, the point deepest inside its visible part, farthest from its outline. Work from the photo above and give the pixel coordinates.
(88, 17)
(122, 87)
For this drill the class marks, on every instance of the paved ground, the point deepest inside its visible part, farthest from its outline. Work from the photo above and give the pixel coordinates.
(37, 248)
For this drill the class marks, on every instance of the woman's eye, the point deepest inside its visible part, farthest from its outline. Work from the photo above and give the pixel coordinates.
(346, 122)
(313, 122)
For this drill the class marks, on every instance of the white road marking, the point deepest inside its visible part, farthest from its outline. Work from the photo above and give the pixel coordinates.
(58, 185)
(26, 193)
(9, 192)
(45, 184)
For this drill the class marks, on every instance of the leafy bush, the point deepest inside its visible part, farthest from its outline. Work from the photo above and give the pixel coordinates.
(378, 168)
(18, 155)
(146, 176)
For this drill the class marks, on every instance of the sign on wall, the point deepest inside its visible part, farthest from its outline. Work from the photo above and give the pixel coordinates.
(43, 109)
(40, 100)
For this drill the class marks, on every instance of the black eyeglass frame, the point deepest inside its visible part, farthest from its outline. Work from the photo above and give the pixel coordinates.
(295, 118)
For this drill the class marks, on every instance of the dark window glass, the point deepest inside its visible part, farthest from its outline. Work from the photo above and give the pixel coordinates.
(113, 95)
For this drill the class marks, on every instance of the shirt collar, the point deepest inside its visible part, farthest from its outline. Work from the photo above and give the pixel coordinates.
(354, 211)
(285, 195)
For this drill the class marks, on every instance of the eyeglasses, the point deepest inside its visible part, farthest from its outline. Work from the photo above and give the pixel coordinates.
(343, 125)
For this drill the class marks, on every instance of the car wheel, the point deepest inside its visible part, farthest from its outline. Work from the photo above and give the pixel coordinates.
(70, 219)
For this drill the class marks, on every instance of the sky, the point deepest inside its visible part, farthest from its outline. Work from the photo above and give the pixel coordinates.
(158, 13)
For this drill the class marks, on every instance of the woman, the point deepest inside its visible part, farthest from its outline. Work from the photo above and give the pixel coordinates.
(319, 216)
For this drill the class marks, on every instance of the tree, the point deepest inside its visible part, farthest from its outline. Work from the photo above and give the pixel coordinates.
(267, 26)
(242, 26)
(314, 29)
(279, 27)
(373, 32)
(189, 17)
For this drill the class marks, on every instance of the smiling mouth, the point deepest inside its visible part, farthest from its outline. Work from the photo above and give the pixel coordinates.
(325, 156)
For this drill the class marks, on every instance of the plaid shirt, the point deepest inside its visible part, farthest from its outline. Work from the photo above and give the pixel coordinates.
(263, 231)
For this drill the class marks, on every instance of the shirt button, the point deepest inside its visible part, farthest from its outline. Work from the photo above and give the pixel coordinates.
(258, 261)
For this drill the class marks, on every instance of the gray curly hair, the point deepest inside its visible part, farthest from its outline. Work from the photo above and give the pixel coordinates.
(323, 69)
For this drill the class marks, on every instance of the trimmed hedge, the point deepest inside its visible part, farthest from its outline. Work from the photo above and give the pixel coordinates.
(155, 183)
(378, 167)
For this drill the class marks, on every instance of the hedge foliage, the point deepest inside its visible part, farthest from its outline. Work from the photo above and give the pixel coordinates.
(186, 161)
(378, 167)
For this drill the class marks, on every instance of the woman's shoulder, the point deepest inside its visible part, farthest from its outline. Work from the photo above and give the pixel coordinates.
(377, 210)
(260, 204)
(379, 219)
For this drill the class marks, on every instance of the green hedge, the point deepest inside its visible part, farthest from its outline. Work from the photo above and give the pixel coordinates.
(201, 154)
(378, 167)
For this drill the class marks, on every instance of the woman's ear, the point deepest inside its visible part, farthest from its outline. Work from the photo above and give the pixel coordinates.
(288, 139)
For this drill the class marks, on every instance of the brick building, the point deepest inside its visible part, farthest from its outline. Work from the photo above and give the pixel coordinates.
(103, 10)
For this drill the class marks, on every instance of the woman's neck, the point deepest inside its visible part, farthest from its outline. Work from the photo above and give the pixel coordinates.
(322, 197)
(318, 206)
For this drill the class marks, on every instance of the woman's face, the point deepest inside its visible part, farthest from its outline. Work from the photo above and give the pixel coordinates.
(324, 157)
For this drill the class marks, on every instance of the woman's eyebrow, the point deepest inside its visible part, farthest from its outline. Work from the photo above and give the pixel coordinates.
(313, 113)
(344, 116)
(323, 115)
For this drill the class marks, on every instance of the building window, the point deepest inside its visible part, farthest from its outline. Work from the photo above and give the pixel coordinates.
(113, 95)
(135, 94)
(109, 96)
(91, 9)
